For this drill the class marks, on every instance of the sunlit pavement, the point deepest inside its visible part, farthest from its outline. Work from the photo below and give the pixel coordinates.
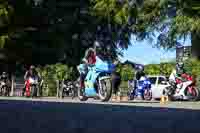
(153, 103)
(23, 115)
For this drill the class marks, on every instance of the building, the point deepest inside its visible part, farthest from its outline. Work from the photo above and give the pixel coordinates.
(183, 53)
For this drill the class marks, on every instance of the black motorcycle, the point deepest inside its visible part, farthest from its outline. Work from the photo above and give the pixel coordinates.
(68, 89)
(4, 88)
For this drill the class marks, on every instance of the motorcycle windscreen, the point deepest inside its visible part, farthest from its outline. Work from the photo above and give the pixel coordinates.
(104, 66)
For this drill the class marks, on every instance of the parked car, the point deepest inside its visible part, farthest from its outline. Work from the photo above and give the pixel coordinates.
(158, 83)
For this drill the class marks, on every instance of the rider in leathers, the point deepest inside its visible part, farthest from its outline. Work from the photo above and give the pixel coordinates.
(32, 72)
(90, 59)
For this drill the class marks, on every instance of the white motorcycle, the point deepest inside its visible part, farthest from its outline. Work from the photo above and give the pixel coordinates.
(185, 90)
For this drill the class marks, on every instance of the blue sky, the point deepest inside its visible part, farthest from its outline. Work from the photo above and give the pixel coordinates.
(142, 52)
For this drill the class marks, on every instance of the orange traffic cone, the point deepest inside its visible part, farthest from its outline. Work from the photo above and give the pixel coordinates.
(167, 99)
(162, 99)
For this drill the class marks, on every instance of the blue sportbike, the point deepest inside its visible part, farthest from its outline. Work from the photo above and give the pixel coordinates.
(98, 81)
(142, 89)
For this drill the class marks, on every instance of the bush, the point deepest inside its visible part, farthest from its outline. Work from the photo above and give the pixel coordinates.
(192, 66)
(52, 73)
(152, 69)
(159, 69)
(127, 72)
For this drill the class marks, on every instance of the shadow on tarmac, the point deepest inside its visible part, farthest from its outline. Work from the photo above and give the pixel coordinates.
(55, 117)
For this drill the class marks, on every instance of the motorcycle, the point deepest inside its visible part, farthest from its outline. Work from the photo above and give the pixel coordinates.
(32, 85)
(4, 88)
(182, 89)
(97, 83)
(143, 89)
(68, 88)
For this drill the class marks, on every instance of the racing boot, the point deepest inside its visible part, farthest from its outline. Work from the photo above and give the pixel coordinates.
(114, 97)
(118, 97)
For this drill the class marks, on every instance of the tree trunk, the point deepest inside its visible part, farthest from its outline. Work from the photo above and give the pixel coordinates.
(195, 39)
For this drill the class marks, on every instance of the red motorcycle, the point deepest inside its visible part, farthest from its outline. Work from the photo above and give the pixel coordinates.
(32, 85)
(184, 88)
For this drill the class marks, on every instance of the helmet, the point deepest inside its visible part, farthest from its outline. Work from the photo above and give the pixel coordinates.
(4, 73)
(32, 67)
(140, 68)
(143, 78)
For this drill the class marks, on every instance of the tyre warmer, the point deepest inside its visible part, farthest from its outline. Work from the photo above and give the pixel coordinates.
(27, 88)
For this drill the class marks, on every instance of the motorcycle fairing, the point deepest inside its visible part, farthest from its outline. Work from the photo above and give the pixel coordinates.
(89, 83)
(94, 71)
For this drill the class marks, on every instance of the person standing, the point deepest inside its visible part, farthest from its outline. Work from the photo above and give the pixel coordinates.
(116, 81)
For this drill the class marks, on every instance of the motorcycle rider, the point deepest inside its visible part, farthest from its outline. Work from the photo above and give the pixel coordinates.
(32, 72)
(116, 81)
(172, 76)
(83, 70)
(138, 75)
(4, 78)
(139, 72)
(88, 60)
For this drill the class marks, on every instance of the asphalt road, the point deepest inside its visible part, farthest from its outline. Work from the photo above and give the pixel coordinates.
(67, 116)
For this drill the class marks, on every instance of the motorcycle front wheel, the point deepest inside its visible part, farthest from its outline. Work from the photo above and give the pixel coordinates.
(147, 94)
(105, 91)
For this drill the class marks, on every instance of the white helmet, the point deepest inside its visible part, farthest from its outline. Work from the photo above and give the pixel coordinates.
(143, 78)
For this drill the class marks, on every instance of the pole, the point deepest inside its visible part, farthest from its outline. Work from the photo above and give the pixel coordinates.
(58, 88)
(12, 85)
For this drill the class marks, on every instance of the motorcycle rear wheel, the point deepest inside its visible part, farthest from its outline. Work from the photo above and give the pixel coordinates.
(33, 91)
(81, 94)
(131, 96)
(4, 90)
(195, 91)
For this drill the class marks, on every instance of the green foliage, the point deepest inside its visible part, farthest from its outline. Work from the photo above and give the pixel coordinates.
(159, 69)
(110, 10)
(152, 69)
(127, 72)
(5, 13)
(166, 68)
(192, 66)
(52, 73)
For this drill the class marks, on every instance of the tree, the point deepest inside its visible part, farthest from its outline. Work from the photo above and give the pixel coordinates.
(166, 68)
(59, 31)
(152, 69)
(173, 19)
(5, 13)
(127, 72)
